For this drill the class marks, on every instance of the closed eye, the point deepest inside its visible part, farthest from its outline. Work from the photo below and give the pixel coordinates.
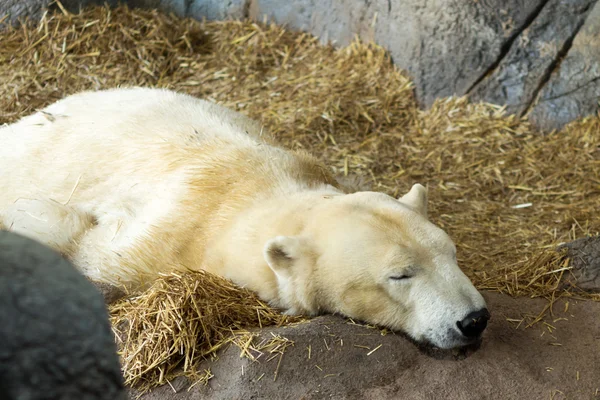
(400, 277)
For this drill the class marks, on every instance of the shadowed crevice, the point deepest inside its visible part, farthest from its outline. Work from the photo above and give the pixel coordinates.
(572, 91)
(246, 9)
(187, 6)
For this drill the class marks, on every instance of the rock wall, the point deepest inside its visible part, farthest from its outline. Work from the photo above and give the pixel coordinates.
(538, 57)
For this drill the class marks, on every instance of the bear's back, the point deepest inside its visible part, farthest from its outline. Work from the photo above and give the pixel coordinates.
(155, 114)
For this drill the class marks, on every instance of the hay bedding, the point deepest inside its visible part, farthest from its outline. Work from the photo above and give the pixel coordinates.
(167, 329)
(505, 193)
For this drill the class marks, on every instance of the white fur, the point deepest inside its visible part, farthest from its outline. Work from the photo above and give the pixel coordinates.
(129, 183)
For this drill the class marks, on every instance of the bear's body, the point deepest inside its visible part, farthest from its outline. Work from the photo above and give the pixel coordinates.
(129, 183)
(165, 171)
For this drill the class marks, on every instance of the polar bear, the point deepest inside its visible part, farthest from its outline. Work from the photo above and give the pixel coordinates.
(131, 182)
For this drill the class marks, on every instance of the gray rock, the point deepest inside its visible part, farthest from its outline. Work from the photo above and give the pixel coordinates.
(573, 90)
(13, 10)
(445, 45)
(584, 255)
(335, 21)
(218, 9)
(498, 51)
(55, 337)
(528, 64)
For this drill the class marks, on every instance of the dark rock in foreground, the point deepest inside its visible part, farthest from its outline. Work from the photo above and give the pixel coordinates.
(55, 337)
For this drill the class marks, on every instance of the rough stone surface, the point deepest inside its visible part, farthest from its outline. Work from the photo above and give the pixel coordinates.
(527, 66)
(512, 52)
(353, 362)
(55, 338)
(218, 9)
(584, 255)
(334, 21)
(574, 88)
(12, 10)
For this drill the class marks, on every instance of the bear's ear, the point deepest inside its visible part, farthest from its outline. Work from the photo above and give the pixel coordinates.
(282, 252)
(416, 198)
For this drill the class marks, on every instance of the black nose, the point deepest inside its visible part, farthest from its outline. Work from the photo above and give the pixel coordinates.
(474, 324)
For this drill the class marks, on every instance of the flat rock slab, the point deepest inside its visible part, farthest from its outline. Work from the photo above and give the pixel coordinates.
(334, 359)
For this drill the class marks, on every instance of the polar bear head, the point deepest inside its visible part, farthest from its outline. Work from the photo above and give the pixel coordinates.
(379, 259)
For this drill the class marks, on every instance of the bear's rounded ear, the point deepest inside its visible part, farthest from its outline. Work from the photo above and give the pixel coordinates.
(416, 198)
(282, 251)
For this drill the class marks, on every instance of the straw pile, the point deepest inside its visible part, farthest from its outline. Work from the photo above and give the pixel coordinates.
(166, 330)
(505, 193)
